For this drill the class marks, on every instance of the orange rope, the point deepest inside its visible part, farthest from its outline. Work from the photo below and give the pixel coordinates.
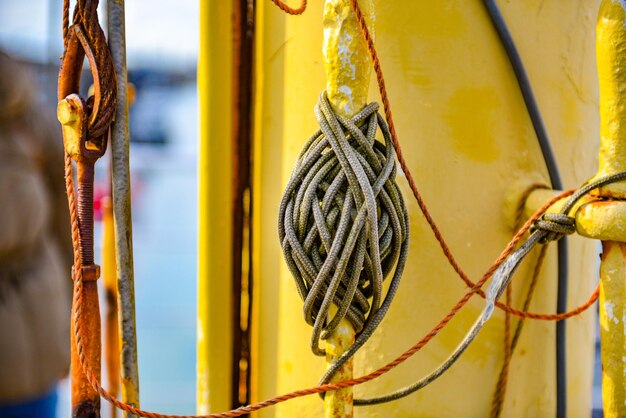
(498, 399)
(475, 288)
(66, 20)
(420, 200)
(282, 6)
(318, 389)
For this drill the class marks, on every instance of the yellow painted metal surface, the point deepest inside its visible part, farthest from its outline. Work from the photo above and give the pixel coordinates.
(467, 138)
(606, 219)
(346, 59)
(338, 403)
(214, 224)
(603, 220)
(348, 72)
(266, 257)
(109, 277)
(611, 57)
(612, 335)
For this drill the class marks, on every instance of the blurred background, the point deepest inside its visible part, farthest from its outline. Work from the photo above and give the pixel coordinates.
(162, 44)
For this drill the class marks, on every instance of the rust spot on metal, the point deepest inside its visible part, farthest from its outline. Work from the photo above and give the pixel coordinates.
(619, 245)
(83, 394)
(111, 299)
(87, 409)
(607, 246)
(603, 202)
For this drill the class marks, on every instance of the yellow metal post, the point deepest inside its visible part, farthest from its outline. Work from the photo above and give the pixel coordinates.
(111, 338)
(605, 220)
(348, 71)
(214, 328)
(461, 119)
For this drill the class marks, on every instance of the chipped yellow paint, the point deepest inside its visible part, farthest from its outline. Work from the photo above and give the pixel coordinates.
(346, 59)
(348, 72)
(612, 329)
(607, 220)
(603, 220)
(611, 57)
(339, 403)
(429, 50)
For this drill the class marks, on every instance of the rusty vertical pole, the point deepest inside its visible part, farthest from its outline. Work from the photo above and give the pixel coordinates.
(243, 73)
(606, 219)
(71, 112)
(84, 147)
(120, 146)
(348, 71)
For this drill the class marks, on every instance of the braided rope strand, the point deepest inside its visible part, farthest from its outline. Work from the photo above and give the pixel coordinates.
(321, 388)
(289, 10)
(343, 223)
(500, 392)
(410, 180)
(498, 398)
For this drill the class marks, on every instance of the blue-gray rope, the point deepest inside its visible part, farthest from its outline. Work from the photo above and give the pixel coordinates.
(343, 224)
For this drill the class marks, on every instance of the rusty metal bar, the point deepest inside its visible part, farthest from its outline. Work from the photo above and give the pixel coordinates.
(243, 73)
(120, 145)
(84, 39)
(85, 400)
(71, 112)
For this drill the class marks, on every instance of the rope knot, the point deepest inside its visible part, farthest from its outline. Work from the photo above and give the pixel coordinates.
(342, 221)
(556, 225)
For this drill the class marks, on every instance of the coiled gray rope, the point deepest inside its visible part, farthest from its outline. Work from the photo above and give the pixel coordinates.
(343, 224)
(343, 184)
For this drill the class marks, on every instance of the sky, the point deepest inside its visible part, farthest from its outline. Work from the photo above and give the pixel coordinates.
(158, 32)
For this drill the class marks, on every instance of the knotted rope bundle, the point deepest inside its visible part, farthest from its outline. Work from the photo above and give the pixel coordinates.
(343, 223)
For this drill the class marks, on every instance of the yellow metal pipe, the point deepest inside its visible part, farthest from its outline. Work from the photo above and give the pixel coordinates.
(111, 331)
(266, 256)
(612, 316)
(346, 58)
(461, 119)
(214, 328)
(611, 59)
(348, 72)
(605, 220)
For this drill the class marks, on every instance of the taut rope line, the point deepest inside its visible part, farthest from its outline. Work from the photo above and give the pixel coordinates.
(545, 228)
(475, 288)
